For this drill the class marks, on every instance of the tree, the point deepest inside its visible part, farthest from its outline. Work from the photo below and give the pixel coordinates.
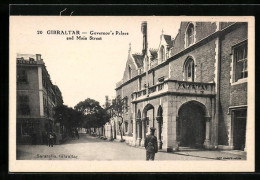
(94, 115)
(117, 111)
(67, 117)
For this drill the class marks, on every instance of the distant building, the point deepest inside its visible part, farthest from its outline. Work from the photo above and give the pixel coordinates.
(192, 88)
(36, 98)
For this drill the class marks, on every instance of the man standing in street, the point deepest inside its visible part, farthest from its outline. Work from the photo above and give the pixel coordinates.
(150, 145)
(51, 139)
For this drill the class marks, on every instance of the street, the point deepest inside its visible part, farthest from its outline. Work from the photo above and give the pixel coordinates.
(93, 148)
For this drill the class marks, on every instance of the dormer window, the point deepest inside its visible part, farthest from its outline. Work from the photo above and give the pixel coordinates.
(162, 54)
(190, 35)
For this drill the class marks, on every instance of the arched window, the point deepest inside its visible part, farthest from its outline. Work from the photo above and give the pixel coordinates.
(162, 53)
(130, 72)
(189, 70)
(190, 34)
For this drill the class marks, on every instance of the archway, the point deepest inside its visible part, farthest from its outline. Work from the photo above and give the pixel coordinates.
(147, 120)
(148, 116)
(191, 124)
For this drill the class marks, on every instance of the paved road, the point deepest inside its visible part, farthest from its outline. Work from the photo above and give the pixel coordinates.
(92, 148)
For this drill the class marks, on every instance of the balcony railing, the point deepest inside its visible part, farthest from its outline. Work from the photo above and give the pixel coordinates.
(176, 87)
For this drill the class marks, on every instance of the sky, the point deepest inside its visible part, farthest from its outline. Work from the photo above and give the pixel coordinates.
(85, 68)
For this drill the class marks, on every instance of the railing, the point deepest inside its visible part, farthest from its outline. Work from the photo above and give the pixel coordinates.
(177, 87)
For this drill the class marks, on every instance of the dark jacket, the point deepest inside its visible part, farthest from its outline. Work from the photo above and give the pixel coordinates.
(151, 140)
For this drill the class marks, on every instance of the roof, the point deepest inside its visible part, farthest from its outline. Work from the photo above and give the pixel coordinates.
(154, 53)
(139, 60)
(26, 56)
(168, 40)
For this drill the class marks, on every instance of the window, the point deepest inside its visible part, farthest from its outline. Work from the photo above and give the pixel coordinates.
(130, 72)
(240, 61)
(190, 34)
(23, 105)
(25, 128)
(45, 105)
(21, 76)
(189, 70)
(126, 104)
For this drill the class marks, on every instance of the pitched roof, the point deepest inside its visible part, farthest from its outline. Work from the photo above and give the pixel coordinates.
(168, 40)
(139, 60)
(154, 53)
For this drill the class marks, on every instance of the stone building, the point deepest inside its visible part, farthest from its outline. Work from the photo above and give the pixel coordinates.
(192, 88)
(36, 98)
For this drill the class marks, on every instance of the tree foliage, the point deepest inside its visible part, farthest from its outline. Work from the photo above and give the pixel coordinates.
(118, 106)
(117, 110)
(94, 115)
(67, 116)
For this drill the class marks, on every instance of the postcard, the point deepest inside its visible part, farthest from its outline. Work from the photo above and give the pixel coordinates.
(131, 94)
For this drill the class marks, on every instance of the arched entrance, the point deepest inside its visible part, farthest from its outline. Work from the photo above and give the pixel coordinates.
(191, 124)
(147, 120)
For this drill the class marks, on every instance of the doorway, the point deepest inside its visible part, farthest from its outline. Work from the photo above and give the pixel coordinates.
(191, 125)
(239, 119)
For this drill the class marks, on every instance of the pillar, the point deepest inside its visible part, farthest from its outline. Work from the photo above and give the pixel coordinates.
(143, 130)
(138, 124)
(159, 131)
(207, 135)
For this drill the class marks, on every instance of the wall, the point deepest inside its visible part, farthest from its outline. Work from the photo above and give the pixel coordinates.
(31, 89)
(130, 63)
(204, 57)
(202, 30)
(230, 95)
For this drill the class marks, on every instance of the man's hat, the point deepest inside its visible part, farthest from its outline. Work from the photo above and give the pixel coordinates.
(152, 129)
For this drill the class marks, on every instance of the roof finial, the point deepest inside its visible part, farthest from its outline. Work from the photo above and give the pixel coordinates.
(162, 31)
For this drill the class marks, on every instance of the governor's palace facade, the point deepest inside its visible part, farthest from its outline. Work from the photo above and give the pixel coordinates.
(192, 88)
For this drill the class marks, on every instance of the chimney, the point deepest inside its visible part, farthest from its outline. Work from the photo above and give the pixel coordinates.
(144, 31)
(38, 57)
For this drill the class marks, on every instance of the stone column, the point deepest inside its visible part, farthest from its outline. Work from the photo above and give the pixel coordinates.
(159, 131)
(207, 135)
(231, 143)
(143, 130)
(171, 139)
(138, 124)
(110, 133)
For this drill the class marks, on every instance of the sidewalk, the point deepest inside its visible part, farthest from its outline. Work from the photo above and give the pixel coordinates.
(202, 153)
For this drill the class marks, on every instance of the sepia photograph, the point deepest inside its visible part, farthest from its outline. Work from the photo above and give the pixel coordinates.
(111, 93)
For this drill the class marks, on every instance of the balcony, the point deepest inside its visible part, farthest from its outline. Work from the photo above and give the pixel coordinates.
(175, 87)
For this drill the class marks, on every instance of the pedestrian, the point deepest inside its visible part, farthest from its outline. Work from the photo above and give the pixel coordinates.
(77, 133)
(51, 139)
(150, 145)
